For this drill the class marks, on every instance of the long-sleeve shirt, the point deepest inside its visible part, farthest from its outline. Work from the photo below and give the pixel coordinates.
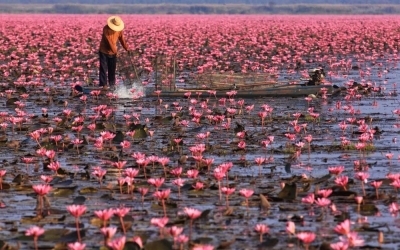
(109, 38)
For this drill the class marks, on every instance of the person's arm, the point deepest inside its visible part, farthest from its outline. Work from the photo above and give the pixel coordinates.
(122, 41)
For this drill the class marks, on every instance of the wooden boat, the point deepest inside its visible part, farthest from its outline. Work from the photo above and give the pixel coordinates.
(282, 90)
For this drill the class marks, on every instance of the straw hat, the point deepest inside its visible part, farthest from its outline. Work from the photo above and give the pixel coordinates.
(115, 23)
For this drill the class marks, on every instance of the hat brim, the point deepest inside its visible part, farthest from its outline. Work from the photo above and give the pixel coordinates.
(113, 26)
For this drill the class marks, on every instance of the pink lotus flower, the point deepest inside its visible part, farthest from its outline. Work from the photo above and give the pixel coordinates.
(324, 192)
(343, 228)
(160, 223)
(192, 173)
(108, 233)
(323, 202)
(77, 211)
(227, 191)
(336, 170)
(246, 193)
(2, 174)
(157, 182)
(376, 185)
(203, 247)
(104, 215)
(42, 190)
(306, 238)
(308, 199)
(352, 239)
(35, 231)
(339, 246)
(163, 195)
(193, 214)
(138, 241)
(175, 231)
(117, 244)
(176, 171)
(76, 246)
(261, 229)
(99, 173)
(290, 228)
(121, 212)
(393, 207)
(342, 181)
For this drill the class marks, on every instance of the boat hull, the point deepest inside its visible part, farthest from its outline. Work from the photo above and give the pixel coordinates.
(276, 91)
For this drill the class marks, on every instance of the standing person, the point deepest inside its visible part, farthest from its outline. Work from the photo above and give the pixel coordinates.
(112, 33)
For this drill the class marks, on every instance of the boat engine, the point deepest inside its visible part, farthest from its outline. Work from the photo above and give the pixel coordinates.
(317, 75)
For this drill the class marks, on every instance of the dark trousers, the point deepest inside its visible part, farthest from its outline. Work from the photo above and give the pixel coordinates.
(108, 64)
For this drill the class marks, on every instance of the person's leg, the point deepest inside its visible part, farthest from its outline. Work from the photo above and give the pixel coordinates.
(112, 65)
(103, 70)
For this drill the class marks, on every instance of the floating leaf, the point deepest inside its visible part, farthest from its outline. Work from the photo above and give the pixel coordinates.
(264, 202)
(63, 192)
(269, 243)
(289, 192)
(18, 179)
(288, 167)
(226, 244)
(96, 222)
(88, 190)
(4, 186)
(131, 246)
(72, 236)
(159, 245)
(119, 137)
(287, 208)
(79, 200)
(203, 240)
(204, 214)
(11, 101)
(368, 209)
(322, 179)
(164, 120)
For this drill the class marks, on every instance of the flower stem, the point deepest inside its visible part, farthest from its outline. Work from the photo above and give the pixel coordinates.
(78, 232)
(164, 208)
(35, 239)
(122, 224)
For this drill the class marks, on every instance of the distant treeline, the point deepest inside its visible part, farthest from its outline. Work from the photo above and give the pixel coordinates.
(257, 2)
(270, 8)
